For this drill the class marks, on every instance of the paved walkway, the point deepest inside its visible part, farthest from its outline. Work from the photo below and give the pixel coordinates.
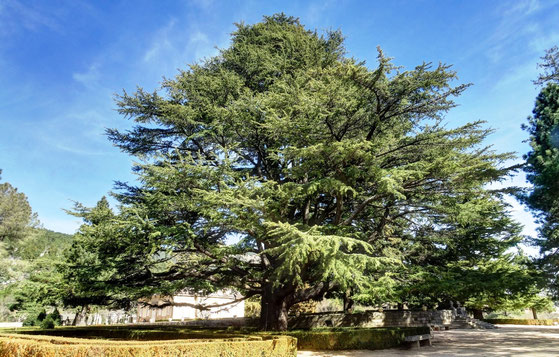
(508, 340)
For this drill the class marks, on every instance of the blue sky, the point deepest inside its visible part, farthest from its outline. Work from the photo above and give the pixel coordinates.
(62, 61)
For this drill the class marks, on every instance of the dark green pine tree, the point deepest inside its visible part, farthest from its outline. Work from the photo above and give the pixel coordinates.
(542, 169)
(283, 169)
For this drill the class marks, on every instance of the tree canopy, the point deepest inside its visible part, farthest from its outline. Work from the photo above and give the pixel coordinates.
(542, 171)
(287, 170)
(550, 66)
(29, 257)
(15, 215)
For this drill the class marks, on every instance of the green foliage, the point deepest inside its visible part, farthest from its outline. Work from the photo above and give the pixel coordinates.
(15, 215)
(42, 255)
(35, 318)
(316, 339)
(56, 317)
(47, 323)
(28, 258)
(139, 333)
(252, 309)
(550, 66)
(48, 346)
(354, 338)
(16, 222)
(542, 168)
(44, 320)
(286, 170)
(473, 260)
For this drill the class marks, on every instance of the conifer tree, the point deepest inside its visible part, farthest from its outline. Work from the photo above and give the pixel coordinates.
(16, 216)
(542, 171)
(550, 66)
(286, 170)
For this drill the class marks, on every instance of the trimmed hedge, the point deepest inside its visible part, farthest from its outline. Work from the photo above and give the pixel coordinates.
(375, 338)
(315, 339)
(147, 333)
(545, 322)
(46, 346)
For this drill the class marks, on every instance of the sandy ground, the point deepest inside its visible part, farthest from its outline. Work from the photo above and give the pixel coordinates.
(507, 340)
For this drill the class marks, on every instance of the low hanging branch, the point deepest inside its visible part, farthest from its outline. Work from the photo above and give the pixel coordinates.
(165, 302)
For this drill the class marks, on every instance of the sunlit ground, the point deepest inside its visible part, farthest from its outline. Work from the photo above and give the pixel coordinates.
(508, 340)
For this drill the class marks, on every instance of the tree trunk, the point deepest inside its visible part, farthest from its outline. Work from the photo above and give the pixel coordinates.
(273, 311)
(348, 302)
(78, 313)
(478, 314)
(535, 313)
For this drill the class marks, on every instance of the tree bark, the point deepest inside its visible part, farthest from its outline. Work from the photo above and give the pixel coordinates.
(478, 314)
(348, 302)
(273, 311)
(535, 313)
(78, 314)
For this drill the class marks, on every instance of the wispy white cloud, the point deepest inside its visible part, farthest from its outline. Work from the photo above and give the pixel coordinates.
(316, 11)
(523, 7)
(544, 41)
(172, 46)
(519, 76)
(79, 131)
(90, 77)
(161, 42)
(202, 4)
(15, 14)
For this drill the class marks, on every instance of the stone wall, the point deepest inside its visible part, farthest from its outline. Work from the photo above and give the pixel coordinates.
(210, 323)
(387, 318)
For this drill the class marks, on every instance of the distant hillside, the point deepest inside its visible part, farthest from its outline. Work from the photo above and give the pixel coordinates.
(43, 242)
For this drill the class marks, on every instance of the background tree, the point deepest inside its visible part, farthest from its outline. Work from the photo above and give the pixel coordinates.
(285, 170)
(29, 256)
(550, 66)
(41, 283)
(15, 215)
(542, 171)
(474, 260)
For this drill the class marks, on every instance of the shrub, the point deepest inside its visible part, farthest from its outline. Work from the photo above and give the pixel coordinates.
(46, 346)
(252, 308)
(35, 318)
(354, 338)
(30, 320)
(546, 322)
(47, 323)
(42, 315)
(306, 307)
(138, 333)
(56, 317)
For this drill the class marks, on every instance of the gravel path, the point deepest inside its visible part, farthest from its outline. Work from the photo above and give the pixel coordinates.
(507, 340)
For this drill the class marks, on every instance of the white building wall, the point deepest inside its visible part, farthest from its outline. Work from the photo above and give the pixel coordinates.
(184, 312)
(222, 297)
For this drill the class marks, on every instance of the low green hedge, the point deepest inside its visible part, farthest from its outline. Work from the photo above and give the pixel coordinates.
(315, 339)
(354, 338)
(140, 333)
(545, 322)
(48, 346)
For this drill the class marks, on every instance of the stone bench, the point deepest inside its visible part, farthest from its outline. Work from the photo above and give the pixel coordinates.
(418, 338)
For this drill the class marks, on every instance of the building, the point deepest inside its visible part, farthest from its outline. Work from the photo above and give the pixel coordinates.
(183, 306)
